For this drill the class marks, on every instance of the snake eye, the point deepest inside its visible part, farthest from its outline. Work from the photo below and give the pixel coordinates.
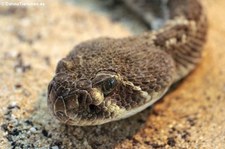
(109, 85)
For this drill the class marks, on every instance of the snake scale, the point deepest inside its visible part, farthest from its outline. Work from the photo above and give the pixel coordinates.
(107, 79)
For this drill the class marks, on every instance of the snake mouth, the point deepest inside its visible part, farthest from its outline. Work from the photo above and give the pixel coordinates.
(78, 107)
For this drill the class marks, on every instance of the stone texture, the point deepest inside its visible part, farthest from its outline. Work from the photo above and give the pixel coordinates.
(33, 39)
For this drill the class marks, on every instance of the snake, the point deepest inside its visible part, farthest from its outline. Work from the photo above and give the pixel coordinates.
(107, 79)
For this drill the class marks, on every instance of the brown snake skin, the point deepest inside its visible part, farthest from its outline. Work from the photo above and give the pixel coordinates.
(106, 79)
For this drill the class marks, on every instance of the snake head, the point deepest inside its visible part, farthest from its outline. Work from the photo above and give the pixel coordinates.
(94, 85)
(84, 101)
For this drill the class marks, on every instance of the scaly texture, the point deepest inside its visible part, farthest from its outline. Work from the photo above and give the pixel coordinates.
(107, 79)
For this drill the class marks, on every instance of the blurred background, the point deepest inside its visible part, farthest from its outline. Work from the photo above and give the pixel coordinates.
(36, 34)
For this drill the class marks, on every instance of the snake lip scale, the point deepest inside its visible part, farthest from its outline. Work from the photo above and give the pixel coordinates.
(106, 79)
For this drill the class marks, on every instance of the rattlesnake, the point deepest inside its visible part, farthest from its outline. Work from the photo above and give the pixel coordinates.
(107, 79)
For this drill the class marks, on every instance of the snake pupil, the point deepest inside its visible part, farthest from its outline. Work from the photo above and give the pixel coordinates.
(108, 86)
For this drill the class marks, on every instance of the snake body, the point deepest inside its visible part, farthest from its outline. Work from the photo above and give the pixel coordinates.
(107, 79)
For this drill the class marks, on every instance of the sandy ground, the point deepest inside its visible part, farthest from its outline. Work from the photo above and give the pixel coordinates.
(32, 41)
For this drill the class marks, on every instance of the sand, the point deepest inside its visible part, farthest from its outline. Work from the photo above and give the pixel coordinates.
(34, 39)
